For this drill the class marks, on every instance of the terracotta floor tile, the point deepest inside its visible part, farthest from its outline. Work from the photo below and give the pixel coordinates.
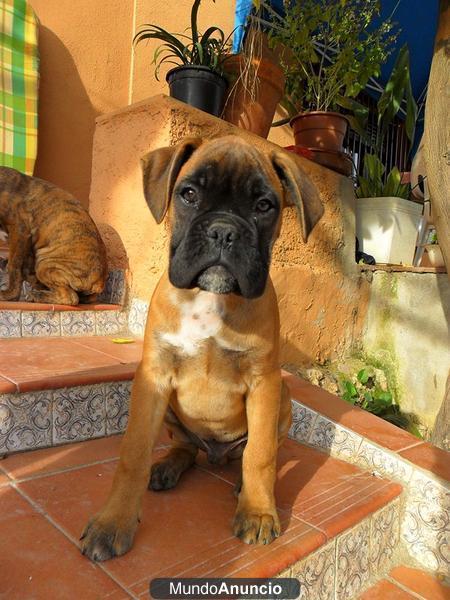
(123, 352)
(421, 583)
(81, 307)
(385, 590)
(39, 306)
(6, 386)
(185, 529)
(33, 359)
(51, 460)
(431, 458)
(110, 373)
(37, 561)
(4, 479)
(370, 426)
(25, 306)
(325, 492)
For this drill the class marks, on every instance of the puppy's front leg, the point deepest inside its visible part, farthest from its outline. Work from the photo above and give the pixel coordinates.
(111, 532)
(256, 520)
(19, 246)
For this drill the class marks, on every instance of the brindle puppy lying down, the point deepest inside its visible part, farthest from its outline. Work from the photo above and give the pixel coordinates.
(53, 242)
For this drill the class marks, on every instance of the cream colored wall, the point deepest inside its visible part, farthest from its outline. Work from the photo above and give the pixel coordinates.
(88, 68)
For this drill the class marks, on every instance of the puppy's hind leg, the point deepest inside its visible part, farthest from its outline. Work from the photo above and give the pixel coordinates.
(166, 472)
(56, 280)
(19, 248)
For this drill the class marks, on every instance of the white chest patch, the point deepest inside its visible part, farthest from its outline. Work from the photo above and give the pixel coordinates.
(200, 319)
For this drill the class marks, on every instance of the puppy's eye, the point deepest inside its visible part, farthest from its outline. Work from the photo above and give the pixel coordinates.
(263, 205)
(189, 195)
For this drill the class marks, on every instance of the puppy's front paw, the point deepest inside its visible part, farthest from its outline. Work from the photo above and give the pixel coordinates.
(256, 528)
(103, 539)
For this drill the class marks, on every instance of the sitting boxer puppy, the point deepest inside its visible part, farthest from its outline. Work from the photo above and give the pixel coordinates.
(53, 242)
(210, 358)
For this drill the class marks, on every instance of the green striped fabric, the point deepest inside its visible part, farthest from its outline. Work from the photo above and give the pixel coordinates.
(19, 80)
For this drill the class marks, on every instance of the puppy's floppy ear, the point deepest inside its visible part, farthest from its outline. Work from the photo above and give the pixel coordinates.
(299, 191)
(160, 169)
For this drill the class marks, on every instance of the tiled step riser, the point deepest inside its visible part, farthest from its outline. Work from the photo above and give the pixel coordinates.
(62, 321)
(425, 520)
(40, 419)
(353, 560)
(17, 323)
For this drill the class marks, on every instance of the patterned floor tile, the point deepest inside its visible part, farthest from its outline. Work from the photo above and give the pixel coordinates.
(352, 561)
(78, 413)
(25, 421)
(117, 398)
(41, 324)
(316, 574)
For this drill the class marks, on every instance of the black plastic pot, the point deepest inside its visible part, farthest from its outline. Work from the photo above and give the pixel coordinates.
(198, 86)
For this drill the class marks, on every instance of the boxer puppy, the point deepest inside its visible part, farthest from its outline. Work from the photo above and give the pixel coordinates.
(210, 359)
(53, 242)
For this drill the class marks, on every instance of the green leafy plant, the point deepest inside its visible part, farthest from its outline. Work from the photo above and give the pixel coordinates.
(368, 392)
(204, 49)
(373, 185)
(398, 90)
(329, 53)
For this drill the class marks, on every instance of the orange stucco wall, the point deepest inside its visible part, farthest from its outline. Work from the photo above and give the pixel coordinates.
(88, 68)
(319, 287)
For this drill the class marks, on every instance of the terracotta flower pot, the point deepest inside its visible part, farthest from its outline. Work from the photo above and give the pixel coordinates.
(321, 130)
(254, 110)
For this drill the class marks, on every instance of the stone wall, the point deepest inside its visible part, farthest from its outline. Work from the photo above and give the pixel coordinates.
(407, 327)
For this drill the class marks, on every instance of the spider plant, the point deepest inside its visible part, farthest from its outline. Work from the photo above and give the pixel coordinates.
(202, 49)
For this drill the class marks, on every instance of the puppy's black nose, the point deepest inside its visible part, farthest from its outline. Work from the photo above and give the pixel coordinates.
(223, 233)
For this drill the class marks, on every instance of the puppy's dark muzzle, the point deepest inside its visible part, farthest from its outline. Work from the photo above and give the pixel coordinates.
(219, 253)
(223, 234)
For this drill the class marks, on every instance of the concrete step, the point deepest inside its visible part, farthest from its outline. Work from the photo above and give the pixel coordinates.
(59, 390)
(339, 524)
(31, 319)
(345, 519)
(404, 583)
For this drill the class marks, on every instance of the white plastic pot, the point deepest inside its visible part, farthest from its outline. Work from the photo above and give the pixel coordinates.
(386, 228)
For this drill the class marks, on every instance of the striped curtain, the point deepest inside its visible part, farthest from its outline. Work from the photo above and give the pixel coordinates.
(19, 79)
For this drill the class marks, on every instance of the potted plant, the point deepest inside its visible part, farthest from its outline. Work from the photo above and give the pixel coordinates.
(386, 220)
(197, 77)
(256, 82)
(328, 56)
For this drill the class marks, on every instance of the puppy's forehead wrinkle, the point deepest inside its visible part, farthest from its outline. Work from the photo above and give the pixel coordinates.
(234, 171)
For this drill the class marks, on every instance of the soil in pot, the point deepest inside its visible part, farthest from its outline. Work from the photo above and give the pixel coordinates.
(256, 87)
(322, 130)
(199, 87)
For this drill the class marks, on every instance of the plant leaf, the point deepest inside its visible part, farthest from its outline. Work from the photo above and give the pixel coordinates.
(194, 28)
(390, 100)
(363, 376)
